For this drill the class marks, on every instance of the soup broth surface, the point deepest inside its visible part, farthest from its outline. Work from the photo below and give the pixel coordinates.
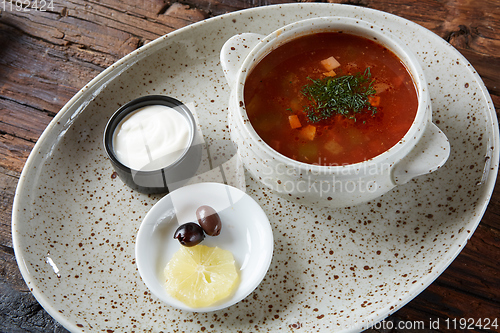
(277, 107)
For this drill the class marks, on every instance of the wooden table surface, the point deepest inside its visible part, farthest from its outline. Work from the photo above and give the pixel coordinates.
(46, 56)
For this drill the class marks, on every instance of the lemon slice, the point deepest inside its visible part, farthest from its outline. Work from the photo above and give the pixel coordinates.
(200, 275)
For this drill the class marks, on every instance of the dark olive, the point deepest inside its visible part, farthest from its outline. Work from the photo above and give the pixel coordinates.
(209, 220)
(189, 234)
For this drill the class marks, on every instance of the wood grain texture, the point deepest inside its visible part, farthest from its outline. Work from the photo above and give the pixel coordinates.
(46, 57)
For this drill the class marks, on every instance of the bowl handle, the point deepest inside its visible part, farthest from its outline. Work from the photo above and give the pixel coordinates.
(234, 51)
(430, 153)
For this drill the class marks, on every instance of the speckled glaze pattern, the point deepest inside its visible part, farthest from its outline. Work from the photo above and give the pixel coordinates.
(74, 222)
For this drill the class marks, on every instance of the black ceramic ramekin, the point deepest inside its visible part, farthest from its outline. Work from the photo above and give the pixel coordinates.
(155, 181)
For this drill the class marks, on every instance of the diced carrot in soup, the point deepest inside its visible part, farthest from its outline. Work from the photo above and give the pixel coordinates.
(308, 132)
(374, 100)
(330, 63)
(330, 73)
(339, 139)
(294, 121)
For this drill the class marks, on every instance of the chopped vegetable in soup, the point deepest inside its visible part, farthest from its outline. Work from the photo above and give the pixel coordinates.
(330, 99)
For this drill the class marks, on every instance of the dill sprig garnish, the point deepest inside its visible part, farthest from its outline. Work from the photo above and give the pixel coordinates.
(345, 95)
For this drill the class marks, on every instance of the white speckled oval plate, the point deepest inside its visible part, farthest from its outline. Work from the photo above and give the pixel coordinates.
(74, 223)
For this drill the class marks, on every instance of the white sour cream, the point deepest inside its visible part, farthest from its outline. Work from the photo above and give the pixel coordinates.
(151, 138)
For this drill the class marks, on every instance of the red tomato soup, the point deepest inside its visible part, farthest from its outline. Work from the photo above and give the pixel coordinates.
(285, 99)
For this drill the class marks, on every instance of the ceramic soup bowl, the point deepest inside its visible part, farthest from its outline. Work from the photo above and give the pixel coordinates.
(423, 149)
(163, 173)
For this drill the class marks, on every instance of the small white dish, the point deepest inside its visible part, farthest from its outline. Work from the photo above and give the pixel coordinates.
(72, 216)
(246, 233)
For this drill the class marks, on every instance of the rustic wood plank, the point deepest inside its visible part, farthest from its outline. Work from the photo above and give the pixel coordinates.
(9, 272)
(215, 7)
(441, 302)
(491, 217)
(21, 121)
(108, 27)
(14, 152)
(8, 183)
(45, 78)
(20, 312)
